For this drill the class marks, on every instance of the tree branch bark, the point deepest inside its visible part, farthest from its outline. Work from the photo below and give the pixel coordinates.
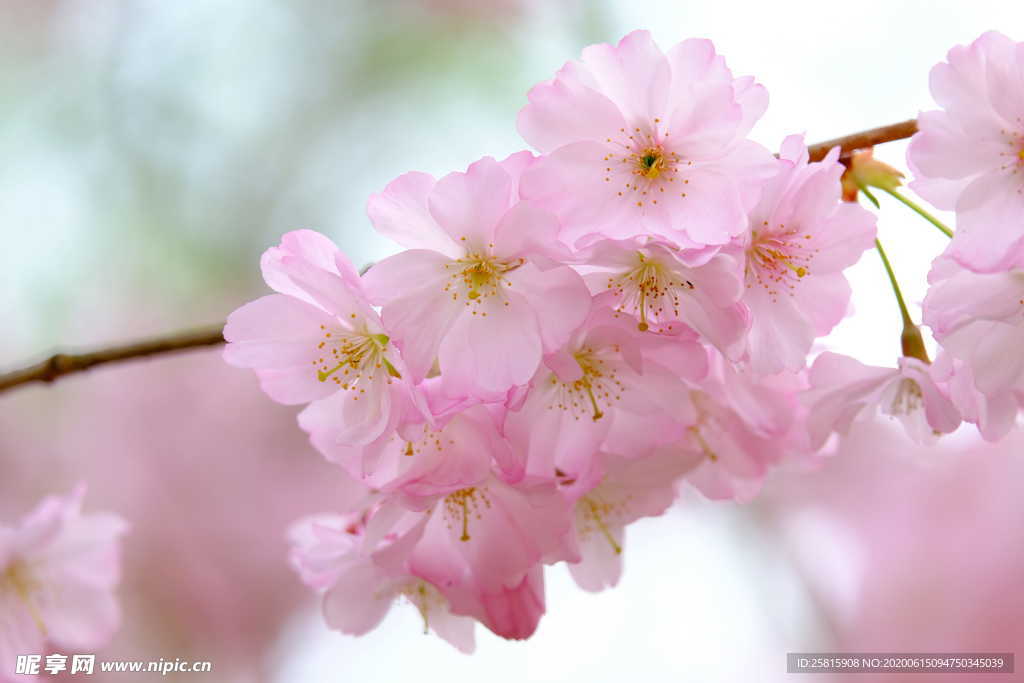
(864, 139)
(62, 364)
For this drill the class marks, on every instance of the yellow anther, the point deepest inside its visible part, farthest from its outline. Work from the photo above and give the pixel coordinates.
(595, 513)
(17, 578)
(323, 375)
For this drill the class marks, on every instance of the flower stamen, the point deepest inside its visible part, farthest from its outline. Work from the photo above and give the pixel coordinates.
(17, 578)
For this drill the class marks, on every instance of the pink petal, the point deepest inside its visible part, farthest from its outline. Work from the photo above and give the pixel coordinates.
(400, 212)
(356, 603)
(492, 348)
(468, 206)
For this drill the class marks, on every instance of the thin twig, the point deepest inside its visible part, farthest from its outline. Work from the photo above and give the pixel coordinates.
(864, 139)
(62, 364)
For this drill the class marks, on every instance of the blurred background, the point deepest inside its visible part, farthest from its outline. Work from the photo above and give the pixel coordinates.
(150, 151)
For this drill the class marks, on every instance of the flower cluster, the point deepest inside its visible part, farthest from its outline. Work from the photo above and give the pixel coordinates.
(570, 337)
(969, 158)
(58, 572)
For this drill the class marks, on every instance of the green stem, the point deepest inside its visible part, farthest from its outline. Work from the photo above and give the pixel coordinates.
(895, 285)
(911, 341)
(921, 212)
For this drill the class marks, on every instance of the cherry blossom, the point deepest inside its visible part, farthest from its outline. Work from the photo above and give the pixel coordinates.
(480, 289)
(994, 413)
(568, 340)
(978, 318)
(640, 142)
(328, 553)
(737, 426)
(969, 156)
(614, 493)
(612, 388)
(320, 342)
(801, 239)
(419, 459)
(59, 569)
(662, 286)
(481, 545)
(843, 389)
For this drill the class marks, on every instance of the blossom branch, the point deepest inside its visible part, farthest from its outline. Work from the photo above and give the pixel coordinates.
(864, 139)
(62, 364)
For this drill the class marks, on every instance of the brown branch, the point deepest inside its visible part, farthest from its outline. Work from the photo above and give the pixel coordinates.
(61, 364)
(68, 363)
(867, 138)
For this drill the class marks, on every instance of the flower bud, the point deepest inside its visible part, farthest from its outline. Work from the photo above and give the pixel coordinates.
(863, 170)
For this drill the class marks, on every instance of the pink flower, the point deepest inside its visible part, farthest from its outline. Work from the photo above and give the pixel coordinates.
(994, 413)
(329, 552)
(969, 157)
(843, 389)
(662, 287)
(979, 320)
(478, 545)
(801, 239)
(616, 492)
(420, 460)
(904, 557)
(512, 610)
(480, 288)
(637, 142)
(612, 388)
(58, 573)
(319, 341)
(738, 425)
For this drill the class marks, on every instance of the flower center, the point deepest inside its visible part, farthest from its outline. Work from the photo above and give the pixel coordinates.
(778, 258)
(651, 163)
(1013, 158)
(479, 275)
(908, 398)
(463, 504)
(432, 440)
(352, 357)
(651, 291)
(17, 579)
(644, 163)
(592, 513)
(599, 384)
(702, 404)
(425, 597)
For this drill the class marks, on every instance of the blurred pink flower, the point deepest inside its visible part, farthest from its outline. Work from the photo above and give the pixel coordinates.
(192, 453)
(58, 572)
(911, 548)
